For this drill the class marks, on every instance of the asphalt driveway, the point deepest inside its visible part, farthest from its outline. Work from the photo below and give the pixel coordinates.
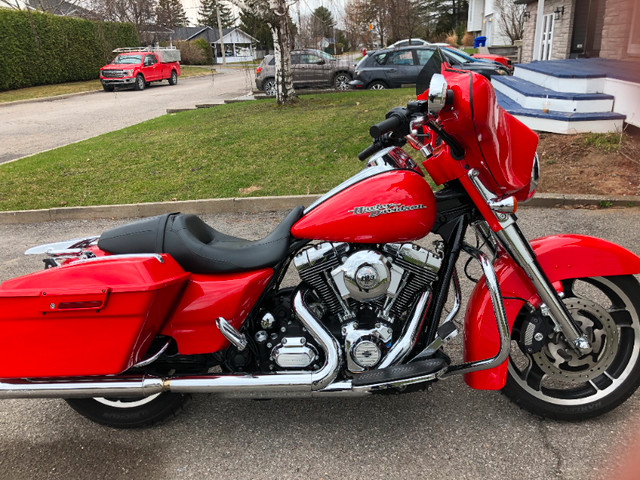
(32, 127)
(451, 432)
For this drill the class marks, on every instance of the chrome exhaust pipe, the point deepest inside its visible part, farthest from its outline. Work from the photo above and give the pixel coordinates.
(264, 385)
(81, 388)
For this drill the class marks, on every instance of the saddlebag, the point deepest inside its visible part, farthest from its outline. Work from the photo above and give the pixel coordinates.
(92, 317)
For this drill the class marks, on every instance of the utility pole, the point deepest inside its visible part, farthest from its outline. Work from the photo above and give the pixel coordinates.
(224, 52)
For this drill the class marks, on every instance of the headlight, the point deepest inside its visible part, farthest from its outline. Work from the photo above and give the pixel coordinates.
(128, 73)
(502, 72)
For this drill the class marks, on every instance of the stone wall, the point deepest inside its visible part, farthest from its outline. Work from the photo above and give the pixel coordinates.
(617, 29)
(562, 29)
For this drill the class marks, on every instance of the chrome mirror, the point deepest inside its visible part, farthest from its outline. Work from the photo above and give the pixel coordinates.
(437, 93)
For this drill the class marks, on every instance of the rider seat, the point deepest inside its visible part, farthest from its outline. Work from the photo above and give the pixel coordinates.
(196, 246)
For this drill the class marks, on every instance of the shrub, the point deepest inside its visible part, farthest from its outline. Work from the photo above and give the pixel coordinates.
(452, 38)
(467, 40)
(39, 48)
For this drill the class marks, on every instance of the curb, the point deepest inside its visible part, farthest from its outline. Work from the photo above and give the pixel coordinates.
(262, 204)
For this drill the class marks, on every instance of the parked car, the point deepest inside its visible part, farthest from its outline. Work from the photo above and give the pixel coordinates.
(138, 67)
(506, 61)
(310, 68)
(408, 42)
(393, 67)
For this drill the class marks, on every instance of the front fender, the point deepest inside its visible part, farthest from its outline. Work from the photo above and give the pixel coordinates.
(560, 257)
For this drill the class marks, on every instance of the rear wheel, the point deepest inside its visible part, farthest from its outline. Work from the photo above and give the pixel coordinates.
(552, 380)
(377, 85)
(173, 79)
(139, 83)
(130, 412)
(269, 86)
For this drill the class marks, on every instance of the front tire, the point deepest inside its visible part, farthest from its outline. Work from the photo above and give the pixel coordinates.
(130, 412)
(139, 83)
(107, 88)
(341, 81)
(556, 382)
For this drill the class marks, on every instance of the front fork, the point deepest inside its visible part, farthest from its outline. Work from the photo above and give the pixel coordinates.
(507, 233)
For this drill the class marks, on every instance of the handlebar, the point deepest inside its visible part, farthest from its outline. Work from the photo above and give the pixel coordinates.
(370, 150)
(389, 125)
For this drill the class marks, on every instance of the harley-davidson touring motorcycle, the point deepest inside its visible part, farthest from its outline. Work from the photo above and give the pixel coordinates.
(126, 326)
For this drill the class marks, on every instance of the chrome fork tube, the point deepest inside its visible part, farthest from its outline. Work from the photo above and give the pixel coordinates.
(512, 239)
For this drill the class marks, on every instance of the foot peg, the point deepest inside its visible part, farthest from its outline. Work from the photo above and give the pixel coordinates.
(400, 375)
(236, 338)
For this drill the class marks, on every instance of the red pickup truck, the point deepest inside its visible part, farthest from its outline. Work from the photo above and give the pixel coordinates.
(139, 67)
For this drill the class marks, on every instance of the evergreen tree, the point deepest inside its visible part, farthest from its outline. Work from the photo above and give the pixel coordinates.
(207, 14)
(323, 22)
(257, 27)
(171, 14)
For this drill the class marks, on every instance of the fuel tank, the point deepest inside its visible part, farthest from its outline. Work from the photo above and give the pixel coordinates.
(387, 202)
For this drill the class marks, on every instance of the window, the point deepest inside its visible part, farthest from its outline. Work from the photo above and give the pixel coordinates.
(310, 58)
(400, 58)
(149, 60)
(423, 56)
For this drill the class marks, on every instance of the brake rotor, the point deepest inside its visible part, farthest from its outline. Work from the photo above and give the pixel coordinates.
(559, 361)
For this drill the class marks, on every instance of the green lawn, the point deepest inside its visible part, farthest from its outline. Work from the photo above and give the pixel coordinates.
(43, 91)
(243, 149)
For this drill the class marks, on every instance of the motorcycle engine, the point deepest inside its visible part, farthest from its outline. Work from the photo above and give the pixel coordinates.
(365, 294)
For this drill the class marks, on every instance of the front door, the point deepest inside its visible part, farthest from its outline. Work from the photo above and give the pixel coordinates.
(547, 37)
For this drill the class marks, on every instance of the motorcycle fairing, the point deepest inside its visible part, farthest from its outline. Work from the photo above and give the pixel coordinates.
(561, 257)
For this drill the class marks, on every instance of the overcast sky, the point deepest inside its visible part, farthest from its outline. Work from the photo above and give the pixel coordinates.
(306, 6)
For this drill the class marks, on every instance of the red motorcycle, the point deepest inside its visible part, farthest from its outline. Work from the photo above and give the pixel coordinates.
(126, 326)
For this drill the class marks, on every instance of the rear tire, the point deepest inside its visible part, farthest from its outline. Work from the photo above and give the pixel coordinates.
(139, 83)
(558, 383)
(269, 87)
(173, 79)
(130, 412)
(377, 85)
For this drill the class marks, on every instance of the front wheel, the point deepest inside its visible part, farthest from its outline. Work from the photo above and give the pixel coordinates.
(130, 412)
(341, 81)
(139, 83)
(551, 380)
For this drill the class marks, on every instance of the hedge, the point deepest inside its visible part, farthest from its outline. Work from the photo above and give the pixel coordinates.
(39, 48)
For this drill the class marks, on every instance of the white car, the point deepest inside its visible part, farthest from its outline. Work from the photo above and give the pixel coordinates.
(409, 41)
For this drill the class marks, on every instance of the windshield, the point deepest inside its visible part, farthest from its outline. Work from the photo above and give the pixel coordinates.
(460, 56)
(120, 59)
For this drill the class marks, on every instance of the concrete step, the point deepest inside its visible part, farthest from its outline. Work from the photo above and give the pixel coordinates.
(532, 96)
(562, 122)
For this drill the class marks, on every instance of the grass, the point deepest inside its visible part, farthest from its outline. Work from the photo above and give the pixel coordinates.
(605, 142)
(243, 149)
(43, 91)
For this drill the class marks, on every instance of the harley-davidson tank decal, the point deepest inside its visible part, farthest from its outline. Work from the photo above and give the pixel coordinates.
(384, 209)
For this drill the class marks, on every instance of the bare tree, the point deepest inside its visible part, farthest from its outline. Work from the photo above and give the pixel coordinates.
(511, 19)
(276, 14)
(72, 8)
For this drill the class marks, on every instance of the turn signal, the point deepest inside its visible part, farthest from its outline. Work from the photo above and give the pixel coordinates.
(258, 70)
(504, 205)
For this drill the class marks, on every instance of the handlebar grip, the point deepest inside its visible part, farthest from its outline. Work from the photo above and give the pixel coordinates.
(385, 126)
(370, 150)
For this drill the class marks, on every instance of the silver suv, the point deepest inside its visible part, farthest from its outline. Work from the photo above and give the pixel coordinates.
(310, 68)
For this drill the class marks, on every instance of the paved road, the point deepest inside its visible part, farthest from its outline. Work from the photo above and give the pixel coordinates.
(451, 432)
(29, 128)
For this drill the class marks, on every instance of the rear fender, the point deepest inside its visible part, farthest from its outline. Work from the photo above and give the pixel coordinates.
(560, 257)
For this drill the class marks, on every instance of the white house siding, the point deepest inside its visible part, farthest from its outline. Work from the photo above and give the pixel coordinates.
(475, 15)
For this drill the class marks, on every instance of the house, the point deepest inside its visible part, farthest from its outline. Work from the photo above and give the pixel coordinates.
(239, 46)
(559, 29)
(483, 19)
